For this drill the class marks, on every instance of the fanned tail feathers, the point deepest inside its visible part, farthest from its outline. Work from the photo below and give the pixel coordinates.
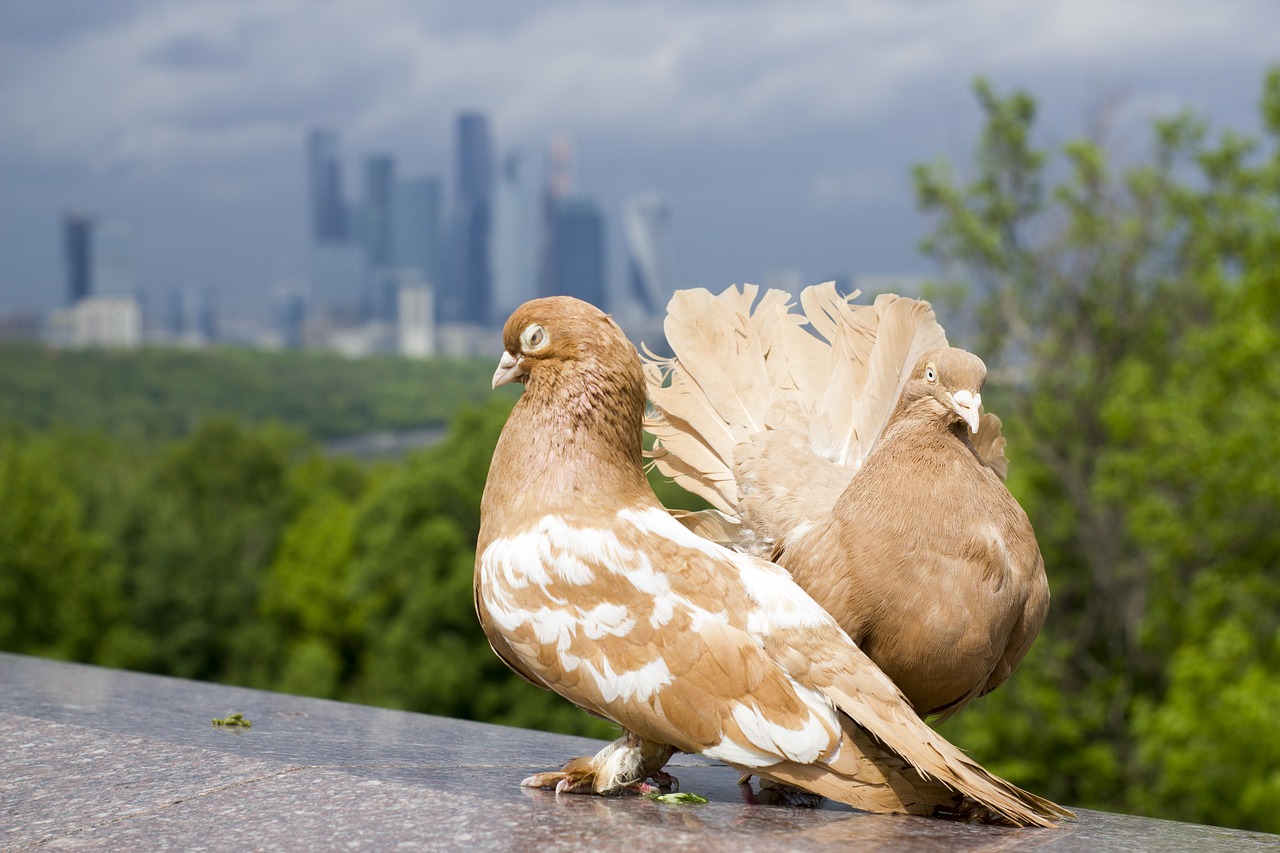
(746, 363)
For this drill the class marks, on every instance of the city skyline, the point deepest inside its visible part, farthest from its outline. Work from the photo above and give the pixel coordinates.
(781, 138)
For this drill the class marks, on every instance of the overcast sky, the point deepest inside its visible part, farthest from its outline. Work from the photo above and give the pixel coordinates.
(781, 133)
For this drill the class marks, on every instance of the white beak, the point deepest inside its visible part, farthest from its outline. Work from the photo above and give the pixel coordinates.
(967, 405)
(509, 368)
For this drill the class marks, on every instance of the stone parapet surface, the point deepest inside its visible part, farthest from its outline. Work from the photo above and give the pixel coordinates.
(105, 759)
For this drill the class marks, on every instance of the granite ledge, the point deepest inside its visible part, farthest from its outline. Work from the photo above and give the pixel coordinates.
(105, 759)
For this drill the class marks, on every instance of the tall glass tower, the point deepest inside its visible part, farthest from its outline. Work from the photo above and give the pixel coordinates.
(576, 260)
(328, 211)
(514, 247)
(77, 241)
(646, 229)
(415, 227)
(467, 298)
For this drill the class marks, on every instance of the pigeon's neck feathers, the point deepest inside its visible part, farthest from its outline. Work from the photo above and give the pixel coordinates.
(574, 439)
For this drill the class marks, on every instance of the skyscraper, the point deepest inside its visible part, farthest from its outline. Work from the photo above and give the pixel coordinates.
(415, 227)
(375, 226)
(576, 258)
(113, 271)
(328, 210)
(514, 247)
(467, 297)
(77, 243)
(646, 230)
(375, 210)
(336, 258)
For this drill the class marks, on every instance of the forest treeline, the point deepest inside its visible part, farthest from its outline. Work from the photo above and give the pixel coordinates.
(165, 392)
(1130, 314)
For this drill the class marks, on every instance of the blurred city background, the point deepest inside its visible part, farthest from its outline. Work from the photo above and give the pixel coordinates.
(255, 256)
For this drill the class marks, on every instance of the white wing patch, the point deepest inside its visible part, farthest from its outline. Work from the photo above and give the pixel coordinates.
(633, 684)
(523, 573)
(781, 603)
(803, 745)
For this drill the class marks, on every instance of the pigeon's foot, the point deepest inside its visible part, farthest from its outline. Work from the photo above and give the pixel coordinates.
(628, 764)
(777, 794)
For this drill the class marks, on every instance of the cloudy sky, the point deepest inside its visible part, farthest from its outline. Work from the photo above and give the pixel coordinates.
(782, 134)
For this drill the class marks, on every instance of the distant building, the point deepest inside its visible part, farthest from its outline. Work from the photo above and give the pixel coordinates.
(375, 210)
(514, 247)
(416, 239)
(557, 187)
(416, 323)
(337, 261)
(324, 174)
(289, 315)
(576, 250)
(646, 228)
(114, 271)
(99, 257)
(97, 321)
(337, 276)
(20, 326)
(190, 316)
(465, 297)
(77, 243)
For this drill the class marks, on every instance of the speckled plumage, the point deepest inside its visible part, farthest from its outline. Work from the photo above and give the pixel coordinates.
(586, 586)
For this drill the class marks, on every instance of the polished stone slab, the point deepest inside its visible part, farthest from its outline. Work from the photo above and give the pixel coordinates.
(104, 759)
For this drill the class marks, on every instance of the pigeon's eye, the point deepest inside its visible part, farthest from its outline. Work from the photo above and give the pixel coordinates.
(930, 374)
(534, 338)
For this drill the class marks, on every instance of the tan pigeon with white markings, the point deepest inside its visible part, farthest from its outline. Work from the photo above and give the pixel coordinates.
(847, 444)
(585, 585)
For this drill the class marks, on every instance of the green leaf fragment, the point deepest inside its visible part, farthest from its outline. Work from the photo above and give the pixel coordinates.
(234, 720)
(683, 798)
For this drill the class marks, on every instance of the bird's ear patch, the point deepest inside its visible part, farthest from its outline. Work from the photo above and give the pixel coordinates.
(534, 338)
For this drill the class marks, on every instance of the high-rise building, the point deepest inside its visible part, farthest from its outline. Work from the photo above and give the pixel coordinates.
(189, 315)
(646, 230)
(466, 298)
(99, 255)
(514, 247)
(328, 210)
(113, 271)
(416, 242)
(375, 210)
(576, 250)
(336, 258)
(415, 320)
(558, 186)
(77, 242)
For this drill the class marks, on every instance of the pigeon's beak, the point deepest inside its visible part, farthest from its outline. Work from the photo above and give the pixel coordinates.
(509, 368)
(968, 405)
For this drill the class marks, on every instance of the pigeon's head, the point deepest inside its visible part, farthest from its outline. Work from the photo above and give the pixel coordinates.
(558, 333)
(949, 382)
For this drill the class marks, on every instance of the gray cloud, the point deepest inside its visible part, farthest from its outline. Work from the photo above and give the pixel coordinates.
(782, 133)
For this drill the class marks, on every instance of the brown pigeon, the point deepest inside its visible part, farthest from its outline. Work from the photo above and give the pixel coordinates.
(838, 443)
(585, 585)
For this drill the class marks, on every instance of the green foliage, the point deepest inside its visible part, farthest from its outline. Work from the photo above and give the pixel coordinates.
(157, 393)
(240, 554)
(1132, 316)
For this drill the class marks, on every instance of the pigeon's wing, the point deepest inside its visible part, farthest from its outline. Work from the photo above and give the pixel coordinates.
(682, 642)
(743, 368)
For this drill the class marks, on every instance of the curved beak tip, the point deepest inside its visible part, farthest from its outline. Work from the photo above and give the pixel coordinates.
(509, 369)
(968, 405)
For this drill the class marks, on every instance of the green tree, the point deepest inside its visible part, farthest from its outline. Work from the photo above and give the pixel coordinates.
(1129, 315)
(197, 542)
(423, 648)
(48, 582)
